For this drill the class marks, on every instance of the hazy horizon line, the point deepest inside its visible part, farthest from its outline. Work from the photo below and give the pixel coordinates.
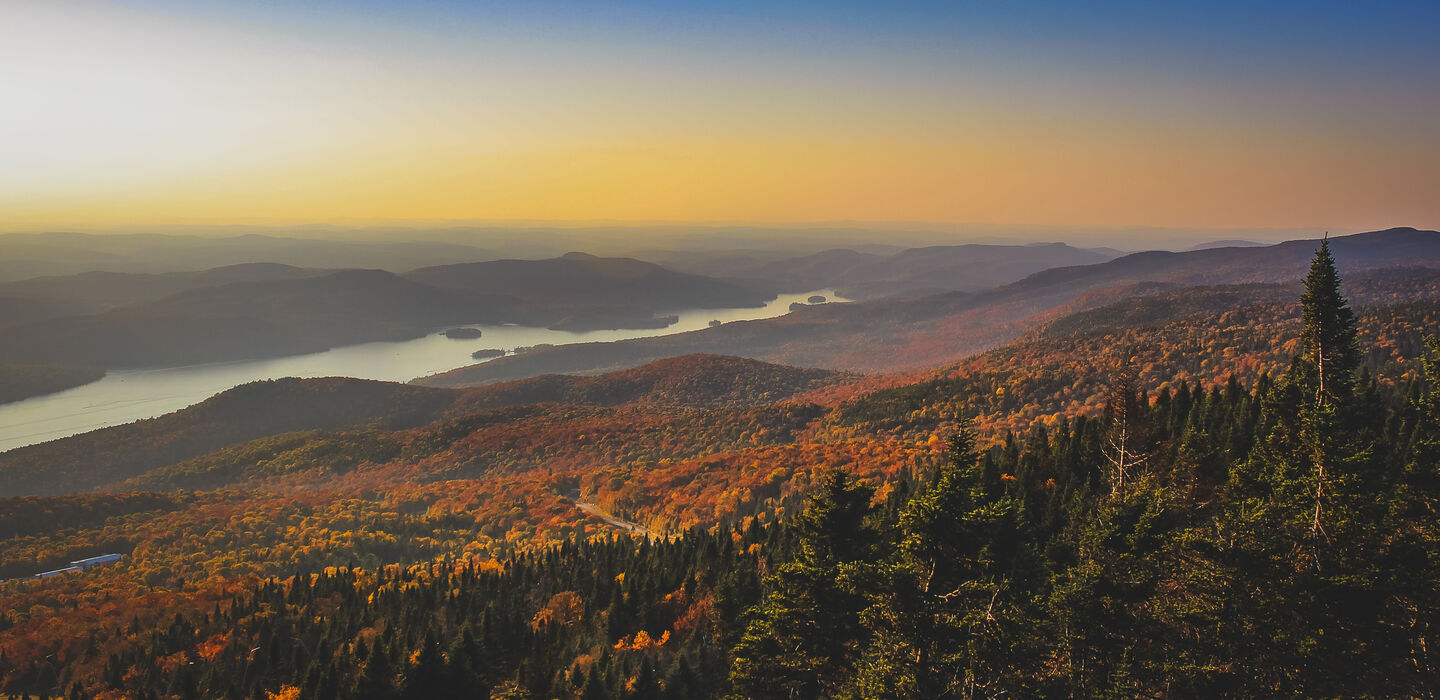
(658, 225)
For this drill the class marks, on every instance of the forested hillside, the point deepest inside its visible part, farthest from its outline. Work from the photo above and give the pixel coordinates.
(1200, 492)
(908, 334)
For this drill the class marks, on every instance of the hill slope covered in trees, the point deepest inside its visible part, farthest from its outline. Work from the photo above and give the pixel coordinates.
(889, 335)
(1140, 529)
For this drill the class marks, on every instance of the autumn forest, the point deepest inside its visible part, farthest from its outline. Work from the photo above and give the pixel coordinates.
(1217, 491)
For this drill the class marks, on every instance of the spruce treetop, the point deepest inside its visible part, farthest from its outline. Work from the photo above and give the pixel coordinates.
(1329, 348)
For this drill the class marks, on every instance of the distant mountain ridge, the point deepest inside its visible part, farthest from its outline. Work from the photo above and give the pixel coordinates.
(251, 319)
(1228, 243)
(907, 334)
(968, 267)
(27, 255)
(678, 384)
(579, 277)
(101, 290)
(266, 310)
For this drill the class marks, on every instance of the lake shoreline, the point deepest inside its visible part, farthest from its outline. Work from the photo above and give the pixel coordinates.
(125, 395)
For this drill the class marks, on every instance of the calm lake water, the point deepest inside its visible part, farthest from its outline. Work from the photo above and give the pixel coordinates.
(124, 396)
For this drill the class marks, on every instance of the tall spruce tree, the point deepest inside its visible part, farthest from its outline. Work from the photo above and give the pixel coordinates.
(1326, 367)
(1330, 351)
(1304, 509)
(802, 639)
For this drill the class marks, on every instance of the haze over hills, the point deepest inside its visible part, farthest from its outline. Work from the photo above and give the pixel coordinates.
(97, 291)
(918, 270)
(277, 421)
(576, 278)
(903, 334)
(251, 319)
(249, 310)
(1247, 316)
(699, 249)
(15, 311)
(448, 350)
(309, 475)
(262, 310)
(1229, 243)
(72, 324)
(24, 255)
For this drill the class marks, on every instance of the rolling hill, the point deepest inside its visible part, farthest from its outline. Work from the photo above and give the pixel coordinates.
(252, 319)
(320, 498)
(247, 412)
(580, 279)
(261, 409)
(103, 290)
(27, 255)
(916, 271)
(19, 310)
(906, 334)
(117, 320)
(697, 381)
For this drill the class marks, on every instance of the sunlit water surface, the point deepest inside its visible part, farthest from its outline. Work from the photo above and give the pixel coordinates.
(124, 396)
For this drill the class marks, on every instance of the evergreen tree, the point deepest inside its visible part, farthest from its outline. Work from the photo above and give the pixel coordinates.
(1303, 511)
(802, 639)
(1330, 351)
(427, 679)
(1411, 558)
(377, 681)
(939, 628)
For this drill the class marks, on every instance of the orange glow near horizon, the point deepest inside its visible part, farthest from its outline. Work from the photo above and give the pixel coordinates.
(208, 124)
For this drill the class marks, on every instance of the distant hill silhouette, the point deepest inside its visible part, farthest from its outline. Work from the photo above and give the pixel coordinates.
(579, 278)
(1228, 243)
(101, 290)
(904, 334)
(19, 382)
(252, 319)
(918, 270)
(264, 310)
(27, 255)
(16, 311)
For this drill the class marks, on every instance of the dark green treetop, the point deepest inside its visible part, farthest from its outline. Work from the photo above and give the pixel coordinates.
(1329, 349)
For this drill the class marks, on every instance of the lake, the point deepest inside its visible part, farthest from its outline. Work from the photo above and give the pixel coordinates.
(124, 396)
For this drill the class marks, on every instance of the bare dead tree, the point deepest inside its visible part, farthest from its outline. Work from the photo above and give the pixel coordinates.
(1127, 445)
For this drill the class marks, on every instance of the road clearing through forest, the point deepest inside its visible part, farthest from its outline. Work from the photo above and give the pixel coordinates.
(612, 521)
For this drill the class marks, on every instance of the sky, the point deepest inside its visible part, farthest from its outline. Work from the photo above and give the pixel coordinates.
(1096, 114)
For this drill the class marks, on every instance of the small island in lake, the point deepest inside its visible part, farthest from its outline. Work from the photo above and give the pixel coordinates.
(816, 299)
(714, 323)
(462, 333)
(487, 354)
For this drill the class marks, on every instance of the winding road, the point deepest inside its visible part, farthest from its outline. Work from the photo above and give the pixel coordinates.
(612, 521)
